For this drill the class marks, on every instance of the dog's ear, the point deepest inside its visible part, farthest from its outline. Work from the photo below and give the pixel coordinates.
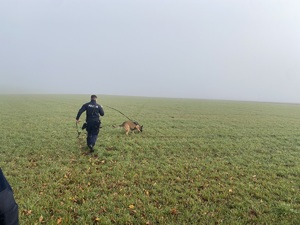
(141, 128)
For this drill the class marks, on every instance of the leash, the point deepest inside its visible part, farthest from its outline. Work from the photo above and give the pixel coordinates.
(119, 112)
(78, 132)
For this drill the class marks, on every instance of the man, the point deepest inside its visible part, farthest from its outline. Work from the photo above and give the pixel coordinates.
(93, 113)
(9, 214)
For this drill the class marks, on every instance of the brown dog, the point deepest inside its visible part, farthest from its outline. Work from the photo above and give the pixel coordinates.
(131, 126)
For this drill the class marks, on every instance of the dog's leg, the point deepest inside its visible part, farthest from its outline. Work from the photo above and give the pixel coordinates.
(127, 129)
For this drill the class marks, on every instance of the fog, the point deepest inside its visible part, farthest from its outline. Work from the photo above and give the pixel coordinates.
(207, 49)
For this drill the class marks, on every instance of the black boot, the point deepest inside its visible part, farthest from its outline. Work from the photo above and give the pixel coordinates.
(91, 147)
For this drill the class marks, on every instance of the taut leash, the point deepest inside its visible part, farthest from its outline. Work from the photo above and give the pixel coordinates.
(119, 112)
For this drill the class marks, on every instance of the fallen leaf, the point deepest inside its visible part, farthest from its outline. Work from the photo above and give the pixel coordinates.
(59, 220)
(174, 211)
(96, 219)
(27, 212)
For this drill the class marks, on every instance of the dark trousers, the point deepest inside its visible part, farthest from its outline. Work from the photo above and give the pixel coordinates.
(92, 128)
(9, 214)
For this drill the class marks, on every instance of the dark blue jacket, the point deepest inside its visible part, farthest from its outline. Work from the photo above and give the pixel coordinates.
(9, 214)
(93, 111)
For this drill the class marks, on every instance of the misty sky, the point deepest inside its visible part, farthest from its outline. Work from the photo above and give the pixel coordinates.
(207, 49)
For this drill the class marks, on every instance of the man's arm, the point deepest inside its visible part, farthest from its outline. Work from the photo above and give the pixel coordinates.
(81, 110)
(101, 111)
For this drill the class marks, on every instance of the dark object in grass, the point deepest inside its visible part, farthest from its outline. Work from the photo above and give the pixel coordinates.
(8, 207)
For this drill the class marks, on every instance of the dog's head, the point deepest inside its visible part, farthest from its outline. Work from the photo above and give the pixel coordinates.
(138, 126)
(141, 128)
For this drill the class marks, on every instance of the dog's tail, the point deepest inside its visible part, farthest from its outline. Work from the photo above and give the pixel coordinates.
(117, 126)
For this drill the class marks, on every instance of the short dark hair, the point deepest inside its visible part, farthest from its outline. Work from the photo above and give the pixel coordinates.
(93, 96)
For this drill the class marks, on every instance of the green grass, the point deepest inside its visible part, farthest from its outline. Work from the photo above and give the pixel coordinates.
(196, 162)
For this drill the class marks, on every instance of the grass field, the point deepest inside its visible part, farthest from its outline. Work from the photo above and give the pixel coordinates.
(196, 162)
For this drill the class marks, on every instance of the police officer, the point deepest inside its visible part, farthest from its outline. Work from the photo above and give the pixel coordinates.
(93, 113)
(9, 214)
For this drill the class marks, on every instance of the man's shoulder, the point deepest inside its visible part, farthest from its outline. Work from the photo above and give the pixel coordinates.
(87, 103)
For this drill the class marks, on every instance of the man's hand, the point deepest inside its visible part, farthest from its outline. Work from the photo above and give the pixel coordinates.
(77, 121)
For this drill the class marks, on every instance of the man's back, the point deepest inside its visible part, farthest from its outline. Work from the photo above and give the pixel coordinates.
(93, 111)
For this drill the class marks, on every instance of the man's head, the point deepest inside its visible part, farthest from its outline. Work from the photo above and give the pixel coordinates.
(94, 97)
